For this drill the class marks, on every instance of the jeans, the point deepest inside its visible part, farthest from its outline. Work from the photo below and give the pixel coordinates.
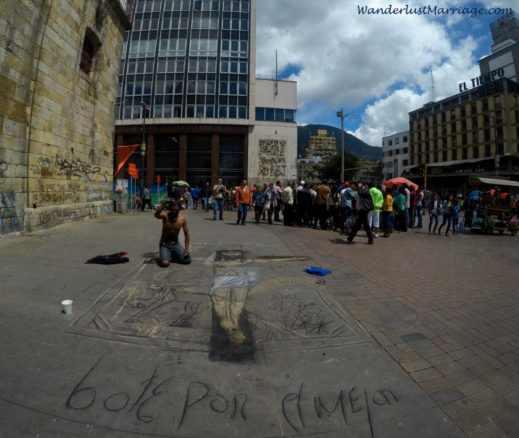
(412, 216)
(447, 219)
(173, 252)
(258, 209)
(195, 204)
(206, 204)
(242, 212)
(431, 217)
(419, 215)
(362, 219)
(218, 205)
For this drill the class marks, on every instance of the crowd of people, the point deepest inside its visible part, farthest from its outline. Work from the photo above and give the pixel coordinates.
(381, 210)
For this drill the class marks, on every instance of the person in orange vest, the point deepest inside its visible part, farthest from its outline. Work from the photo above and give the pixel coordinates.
(243, 200)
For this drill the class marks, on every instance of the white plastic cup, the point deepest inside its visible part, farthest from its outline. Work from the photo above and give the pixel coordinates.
(67, 306)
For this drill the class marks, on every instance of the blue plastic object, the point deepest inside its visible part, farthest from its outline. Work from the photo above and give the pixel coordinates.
(317, 271)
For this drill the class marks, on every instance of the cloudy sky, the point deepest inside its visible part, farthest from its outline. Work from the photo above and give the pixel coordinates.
(375, 66)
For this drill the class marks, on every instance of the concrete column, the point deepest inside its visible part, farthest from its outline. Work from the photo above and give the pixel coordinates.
(182, 157)
(150, 160)
(246, 157)
(215, 158)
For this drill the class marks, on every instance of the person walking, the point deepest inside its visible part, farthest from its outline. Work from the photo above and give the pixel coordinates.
(364, 205)
(243, 199)
(374, 215)
(446, 210)
(195, 194)
(258, 199)
(270, 202)
(206, 196)
(218, 198)
(146, 198)
(419, 207)
(434, 210)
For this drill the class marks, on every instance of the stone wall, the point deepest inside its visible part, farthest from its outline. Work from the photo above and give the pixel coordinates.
(56, 120)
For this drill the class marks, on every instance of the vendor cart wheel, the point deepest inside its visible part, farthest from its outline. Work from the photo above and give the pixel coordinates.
(490, 231)
(501, 232)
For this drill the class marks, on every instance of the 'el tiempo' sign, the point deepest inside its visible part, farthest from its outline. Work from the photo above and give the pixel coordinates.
(483, 79)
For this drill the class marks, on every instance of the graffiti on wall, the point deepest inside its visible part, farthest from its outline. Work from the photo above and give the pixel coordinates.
(47, 167)
(9, 221)
(272, 158)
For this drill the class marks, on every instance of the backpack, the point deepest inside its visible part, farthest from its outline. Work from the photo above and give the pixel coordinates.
(365, 200)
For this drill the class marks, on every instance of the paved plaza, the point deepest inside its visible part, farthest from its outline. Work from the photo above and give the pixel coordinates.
(414, 336)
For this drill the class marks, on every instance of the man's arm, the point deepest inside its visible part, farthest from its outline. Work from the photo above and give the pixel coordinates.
(186, 236)
(160, 209)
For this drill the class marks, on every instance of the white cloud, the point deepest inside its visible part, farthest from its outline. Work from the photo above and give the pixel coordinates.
(347, 59)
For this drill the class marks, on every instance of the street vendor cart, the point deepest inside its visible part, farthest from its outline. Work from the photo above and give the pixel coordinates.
(492, 209)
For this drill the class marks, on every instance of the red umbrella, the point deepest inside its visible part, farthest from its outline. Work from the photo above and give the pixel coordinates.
(399, 181)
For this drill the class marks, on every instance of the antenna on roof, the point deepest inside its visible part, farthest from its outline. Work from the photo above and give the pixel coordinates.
(433, 97)
(276, 82)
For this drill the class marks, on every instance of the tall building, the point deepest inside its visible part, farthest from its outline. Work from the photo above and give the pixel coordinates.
(187, 90)
(474, 133)
(395, 151)
(58, 85)
(504, 60)
(321, 145)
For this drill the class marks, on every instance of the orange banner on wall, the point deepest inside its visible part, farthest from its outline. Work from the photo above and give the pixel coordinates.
(123, 154)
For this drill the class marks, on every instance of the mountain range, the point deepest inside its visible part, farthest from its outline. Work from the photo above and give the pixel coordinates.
(351, 143)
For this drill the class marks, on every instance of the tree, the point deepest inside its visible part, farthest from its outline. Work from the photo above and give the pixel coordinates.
(331, 169)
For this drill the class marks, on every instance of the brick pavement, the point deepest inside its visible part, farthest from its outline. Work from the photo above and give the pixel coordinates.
(445, 308)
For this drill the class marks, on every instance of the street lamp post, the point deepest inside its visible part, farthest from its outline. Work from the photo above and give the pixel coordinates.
(143, 144)
(341, 115)
(497, 159)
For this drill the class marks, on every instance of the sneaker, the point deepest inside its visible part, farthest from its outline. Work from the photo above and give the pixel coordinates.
(375, 235)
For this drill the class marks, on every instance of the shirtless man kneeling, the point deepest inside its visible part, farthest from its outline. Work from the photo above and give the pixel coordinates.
(169, 247)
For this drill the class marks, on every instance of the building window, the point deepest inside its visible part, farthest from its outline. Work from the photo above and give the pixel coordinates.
(405, 139)
(464, 154)
(397, 140)
(390, 142)
(475, 152)
(87, 55)
(454, 154)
